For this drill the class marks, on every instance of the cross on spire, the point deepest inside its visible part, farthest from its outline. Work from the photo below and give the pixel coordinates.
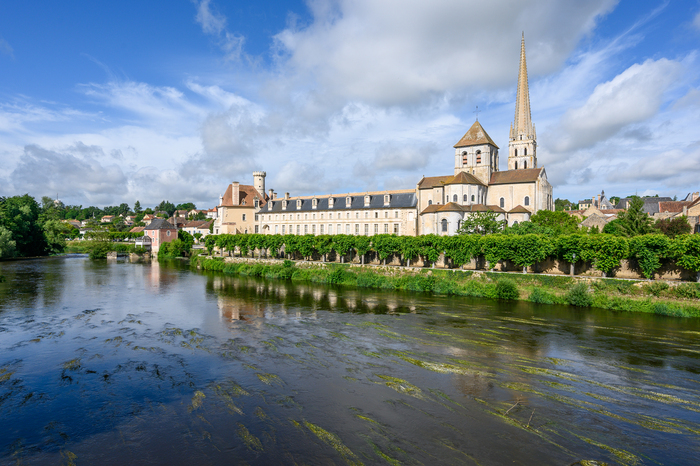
(477, 113)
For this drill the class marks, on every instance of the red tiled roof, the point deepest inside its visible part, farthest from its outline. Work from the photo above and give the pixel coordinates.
(246, 196)
(476, 136)
(519, 210)
(429, 182)
(464, 178)
(673, 206)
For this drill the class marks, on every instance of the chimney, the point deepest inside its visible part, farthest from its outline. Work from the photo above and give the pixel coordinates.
(685, 210)
(235, 193)
(695, 196)
(286, 195)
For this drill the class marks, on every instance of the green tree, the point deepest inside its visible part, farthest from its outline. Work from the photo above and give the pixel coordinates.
(686, 250)
(55, 234)
(650, 250)
(166, 206)
(8, 247)
(560, 223)
(137, 207)
(530, 249)
(673, 227)
(564, 204)
(634, 221)
(614, 227)
(481, 223)
(186, 206)
(20, 215)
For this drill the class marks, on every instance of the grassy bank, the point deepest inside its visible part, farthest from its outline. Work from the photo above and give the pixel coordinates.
(618, 295)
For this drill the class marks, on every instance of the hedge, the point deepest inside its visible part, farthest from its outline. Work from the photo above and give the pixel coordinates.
(604, 251)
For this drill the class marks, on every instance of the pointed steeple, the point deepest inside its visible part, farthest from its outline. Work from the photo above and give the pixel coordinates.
(522, 124)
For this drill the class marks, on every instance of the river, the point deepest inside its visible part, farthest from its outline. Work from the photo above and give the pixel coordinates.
(146, 363)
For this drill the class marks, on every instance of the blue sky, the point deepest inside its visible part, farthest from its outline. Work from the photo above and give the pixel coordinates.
(110, 102)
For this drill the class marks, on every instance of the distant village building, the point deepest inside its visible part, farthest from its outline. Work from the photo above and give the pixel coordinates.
(160, 231)
(236, 212)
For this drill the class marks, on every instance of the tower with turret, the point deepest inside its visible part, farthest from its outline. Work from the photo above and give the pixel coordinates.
(522, 145)
(259, 182)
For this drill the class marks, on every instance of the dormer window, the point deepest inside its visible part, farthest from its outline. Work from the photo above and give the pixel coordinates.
(367, 198)
(348, 201)
(284, 205)
(269, 205)
(298, 203)
(387, 199)
(256, 202)
(330, 202)
(314, 203)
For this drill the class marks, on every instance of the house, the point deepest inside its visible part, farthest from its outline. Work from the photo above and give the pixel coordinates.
(136, 230)
(178, 222)
(160, 231)
(239, 205)
(651, 204)
(107, 218)
(198, 226)
(148, 218)
(74, 223)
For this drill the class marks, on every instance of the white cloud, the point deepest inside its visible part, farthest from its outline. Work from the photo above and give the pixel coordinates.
(215, 24)
(633, 96)
(400, 51)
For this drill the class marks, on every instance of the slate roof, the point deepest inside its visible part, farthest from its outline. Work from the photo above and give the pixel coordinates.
(528, 175)
(476, 136)
(399, 199)
(159, 224)
(651, 204)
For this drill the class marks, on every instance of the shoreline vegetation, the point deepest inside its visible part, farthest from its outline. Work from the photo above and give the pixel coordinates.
(652, 297)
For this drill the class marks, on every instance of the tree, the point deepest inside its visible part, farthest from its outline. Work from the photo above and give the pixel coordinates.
(20, 215)
(55, 234)
(634, 221)
(166, 206)
(123, 209)
(673, 227)
(686, 250)
(481, 223)
(649, 250)
(186, 206)
(613, 228)
(8, 247)
(137, 207)
(560, 223)
(563, 204)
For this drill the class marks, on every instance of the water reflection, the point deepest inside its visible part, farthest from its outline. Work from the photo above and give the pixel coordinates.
(129, 363)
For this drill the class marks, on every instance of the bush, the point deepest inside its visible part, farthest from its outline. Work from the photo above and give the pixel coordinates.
(99, 250)
(579, 296)
(507, 289)
(687, 291)
(538, 295)
(656, 288)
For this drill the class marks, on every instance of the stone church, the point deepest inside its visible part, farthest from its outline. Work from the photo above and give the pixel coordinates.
(438, 204)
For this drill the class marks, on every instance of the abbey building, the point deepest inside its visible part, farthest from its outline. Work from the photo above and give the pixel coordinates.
(437, 205)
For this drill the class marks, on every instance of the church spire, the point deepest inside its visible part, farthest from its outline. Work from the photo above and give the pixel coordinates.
(522, 124)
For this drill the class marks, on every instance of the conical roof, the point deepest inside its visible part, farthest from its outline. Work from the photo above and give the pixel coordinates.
(476, 136)
(522, 124)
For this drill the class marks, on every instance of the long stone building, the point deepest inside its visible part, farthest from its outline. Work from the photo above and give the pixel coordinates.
(438, 204)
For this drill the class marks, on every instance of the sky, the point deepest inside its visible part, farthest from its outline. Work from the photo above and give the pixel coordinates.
(109, 102)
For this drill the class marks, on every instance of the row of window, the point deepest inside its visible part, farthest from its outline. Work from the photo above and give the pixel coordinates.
(330, 216)
(516, 152)
(331, 202)
(455, 198)
(502, 202)
(323, 230)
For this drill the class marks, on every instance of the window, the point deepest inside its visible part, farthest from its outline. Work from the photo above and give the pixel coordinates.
(330, 215)
(396, 228)
(430, 202)
(298, 203)
(478, 156)
(386, 214)
(366, 229)
(472, 198)
(168, 233)
(357, 228)
(277, 217)
(515, 153)
(465, 159)
(525, 153)
(465, 198)
(396, 214)
(298, 227)
(366, 201)
(386, 228)
(276, 226)
(516, 165)
(527, 200)
(357, 215)
(525, 164)
(444, 225)
(244, 217)
(454, 198)
(256, 217)
(306, 229)
(515, 223)
(330, 202)
(376, 215)
(314, 203)
(386, 199)
(256, 202)
(502, 203)
(376, 228)
(298, 216)
(313, 216)
(366, 214)
(337, 229)
(348, 201)
(322, 216)
(313, 229)
(347, 215)
(256, 229)
(306, 216)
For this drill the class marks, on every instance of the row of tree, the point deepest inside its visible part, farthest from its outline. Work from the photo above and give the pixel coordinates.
(59, 211)
(605, 252)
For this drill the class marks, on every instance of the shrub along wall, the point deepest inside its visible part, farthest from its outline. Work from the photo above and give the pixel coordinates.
(647, 255)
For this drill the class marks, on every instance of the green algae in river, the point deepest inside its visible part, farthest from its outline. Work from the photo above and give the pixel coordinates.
(402, 386)
(250, 440)
(270, 379)
(197, 400)
(335, 442)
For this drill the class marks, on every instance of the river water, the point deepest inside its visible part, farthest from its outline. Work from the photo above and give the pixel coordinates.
(127, 363)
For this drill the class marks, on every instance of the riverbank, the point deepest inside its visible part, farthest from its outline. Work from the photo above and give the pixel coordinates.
(657, 297)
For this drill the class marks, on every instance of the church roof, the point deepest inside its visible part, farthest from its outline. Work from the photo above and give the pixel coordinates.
(519, 210)
(431, 181)
(476, 136)
(454, 207)
(464, 178)
(528, 175)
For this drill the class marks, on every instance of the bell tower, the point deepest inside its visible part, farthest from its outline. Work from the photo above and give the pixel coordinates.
(522, 145)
